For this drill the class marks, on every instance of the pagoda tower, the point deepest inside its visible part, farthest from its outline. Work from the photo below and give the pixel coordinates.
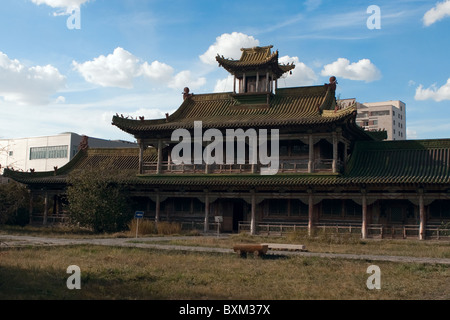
(257, 71)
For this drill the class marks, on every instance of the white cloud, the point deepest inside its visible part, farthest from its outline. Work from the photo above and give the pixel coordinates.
(228, 45)
(60, 3)
(28, 85)
(115, 70)
(363, 70)
(185, 79)
(157, 71)
(434, 93)
(60, 99)
(438, 12)
(312, 4)
(66, 6)
(302, 75)
(120, 68)
(224, 85)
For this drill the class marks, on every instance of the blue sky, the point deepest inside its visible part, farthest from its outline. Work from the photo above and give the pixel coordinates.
(70, 65)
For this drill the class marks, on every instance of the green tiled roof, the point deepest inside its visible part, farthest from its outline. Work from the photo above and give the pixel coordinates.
(289, 106)
(255, 57)
(119, 159)
(410, 161)
(372, 162)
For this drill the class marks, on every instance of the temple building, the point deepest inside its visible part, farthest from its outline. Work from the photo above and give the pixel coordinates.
(263, 156)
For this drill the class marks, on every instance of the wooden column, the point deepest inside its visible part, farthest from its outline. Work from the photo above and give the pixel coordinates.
(157, 207)
(206, 223)
(311, 154)
(335, 145)
(253, 214)
(158, 165)
(364, 215)
(169, 160)
(44, 220)
(141, 157)
(234, 84)
(310, 212)
(257, 81)
(30, 209)
(422, 216)
(268, 82)
(244, 84)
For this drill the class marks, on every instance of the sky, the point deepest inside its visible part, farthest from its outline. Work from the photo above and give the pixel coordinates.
(70, 65)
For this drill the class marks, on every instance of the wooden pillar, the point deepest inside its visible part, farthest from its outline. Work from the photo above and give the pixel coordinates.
(244, 84)
(335, 152)
(364, 215)
(44, 220)
(141, 157)
(30, 209)
(422, 216)
(257, 81)
(311, 154)
(169, 160)
(157, 207)
(268, 82)
(158, 165)
(253, 214)
(206, 223)
(234, 84)
(310, 212)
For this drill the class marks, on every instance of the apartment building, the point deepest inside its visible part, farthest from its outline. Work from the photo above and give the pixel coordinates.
(47, 152)
(385, 115)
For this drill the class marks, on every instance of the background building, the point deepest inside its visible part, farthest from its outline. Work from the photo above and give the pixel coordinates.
(389, 116)
(386, 115)
(46, 153)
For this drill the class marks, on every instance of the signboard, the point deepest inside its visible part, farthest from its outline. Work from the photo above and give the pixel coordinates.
(139, 214)
(218, 218)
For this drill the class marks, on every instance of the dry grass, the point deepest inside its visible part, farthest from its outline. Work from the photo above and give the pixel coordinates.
(331, 243)
(131, 273)
(147, 227)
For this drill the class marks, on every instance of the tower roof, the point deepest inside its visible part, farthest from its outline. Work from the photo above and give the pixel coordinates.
(256, 58)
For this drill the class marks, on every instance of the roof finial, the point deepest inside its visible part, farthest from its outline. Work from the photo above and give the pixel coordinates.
(332, 84)
(186, 93)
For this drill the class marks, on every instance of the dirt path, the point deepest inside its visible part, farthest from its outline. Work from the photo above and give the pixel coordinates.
(19, 241)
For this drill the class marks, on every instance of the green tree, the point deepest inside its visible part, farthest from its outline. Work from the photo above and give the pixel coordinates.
(14, 199)
(97, 201)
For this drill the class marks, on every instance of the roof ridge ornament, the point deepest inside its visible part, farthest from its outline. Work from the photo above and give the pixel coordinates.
(332, 84)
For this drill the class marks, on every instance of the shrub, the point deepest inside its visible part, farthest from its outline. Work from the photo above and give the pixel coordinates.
(96, 201)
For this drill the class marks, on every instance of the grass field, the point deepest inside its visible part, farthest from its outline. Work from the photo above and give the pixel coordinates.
(109, 273)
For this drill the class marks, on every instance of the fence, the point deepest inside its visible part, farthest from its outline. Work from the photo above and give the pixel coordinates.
(373, 230)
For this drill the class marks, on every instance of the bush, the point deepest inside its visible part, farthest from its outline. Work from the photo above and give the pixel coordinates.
(14, 200)
(96, 201)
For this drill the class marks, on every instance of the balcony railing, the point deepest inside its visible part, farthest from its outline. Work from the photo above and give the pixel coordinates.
(285, 166)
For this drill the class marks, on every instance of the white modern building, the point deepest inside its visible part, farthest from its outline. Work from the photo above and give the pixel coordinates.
(47, 152)
(389, 116)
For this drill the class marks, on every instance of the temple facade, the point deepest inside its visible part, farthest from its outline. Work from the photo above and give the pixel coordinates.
(263, 158)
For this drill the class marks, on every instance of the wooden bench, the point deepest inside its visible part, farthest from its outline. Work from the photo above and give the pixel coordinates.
(256, 249)
(285, 247)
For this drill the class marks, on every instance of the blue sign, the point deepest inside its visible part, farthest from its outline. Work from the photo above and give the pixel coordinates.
(139, 214)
